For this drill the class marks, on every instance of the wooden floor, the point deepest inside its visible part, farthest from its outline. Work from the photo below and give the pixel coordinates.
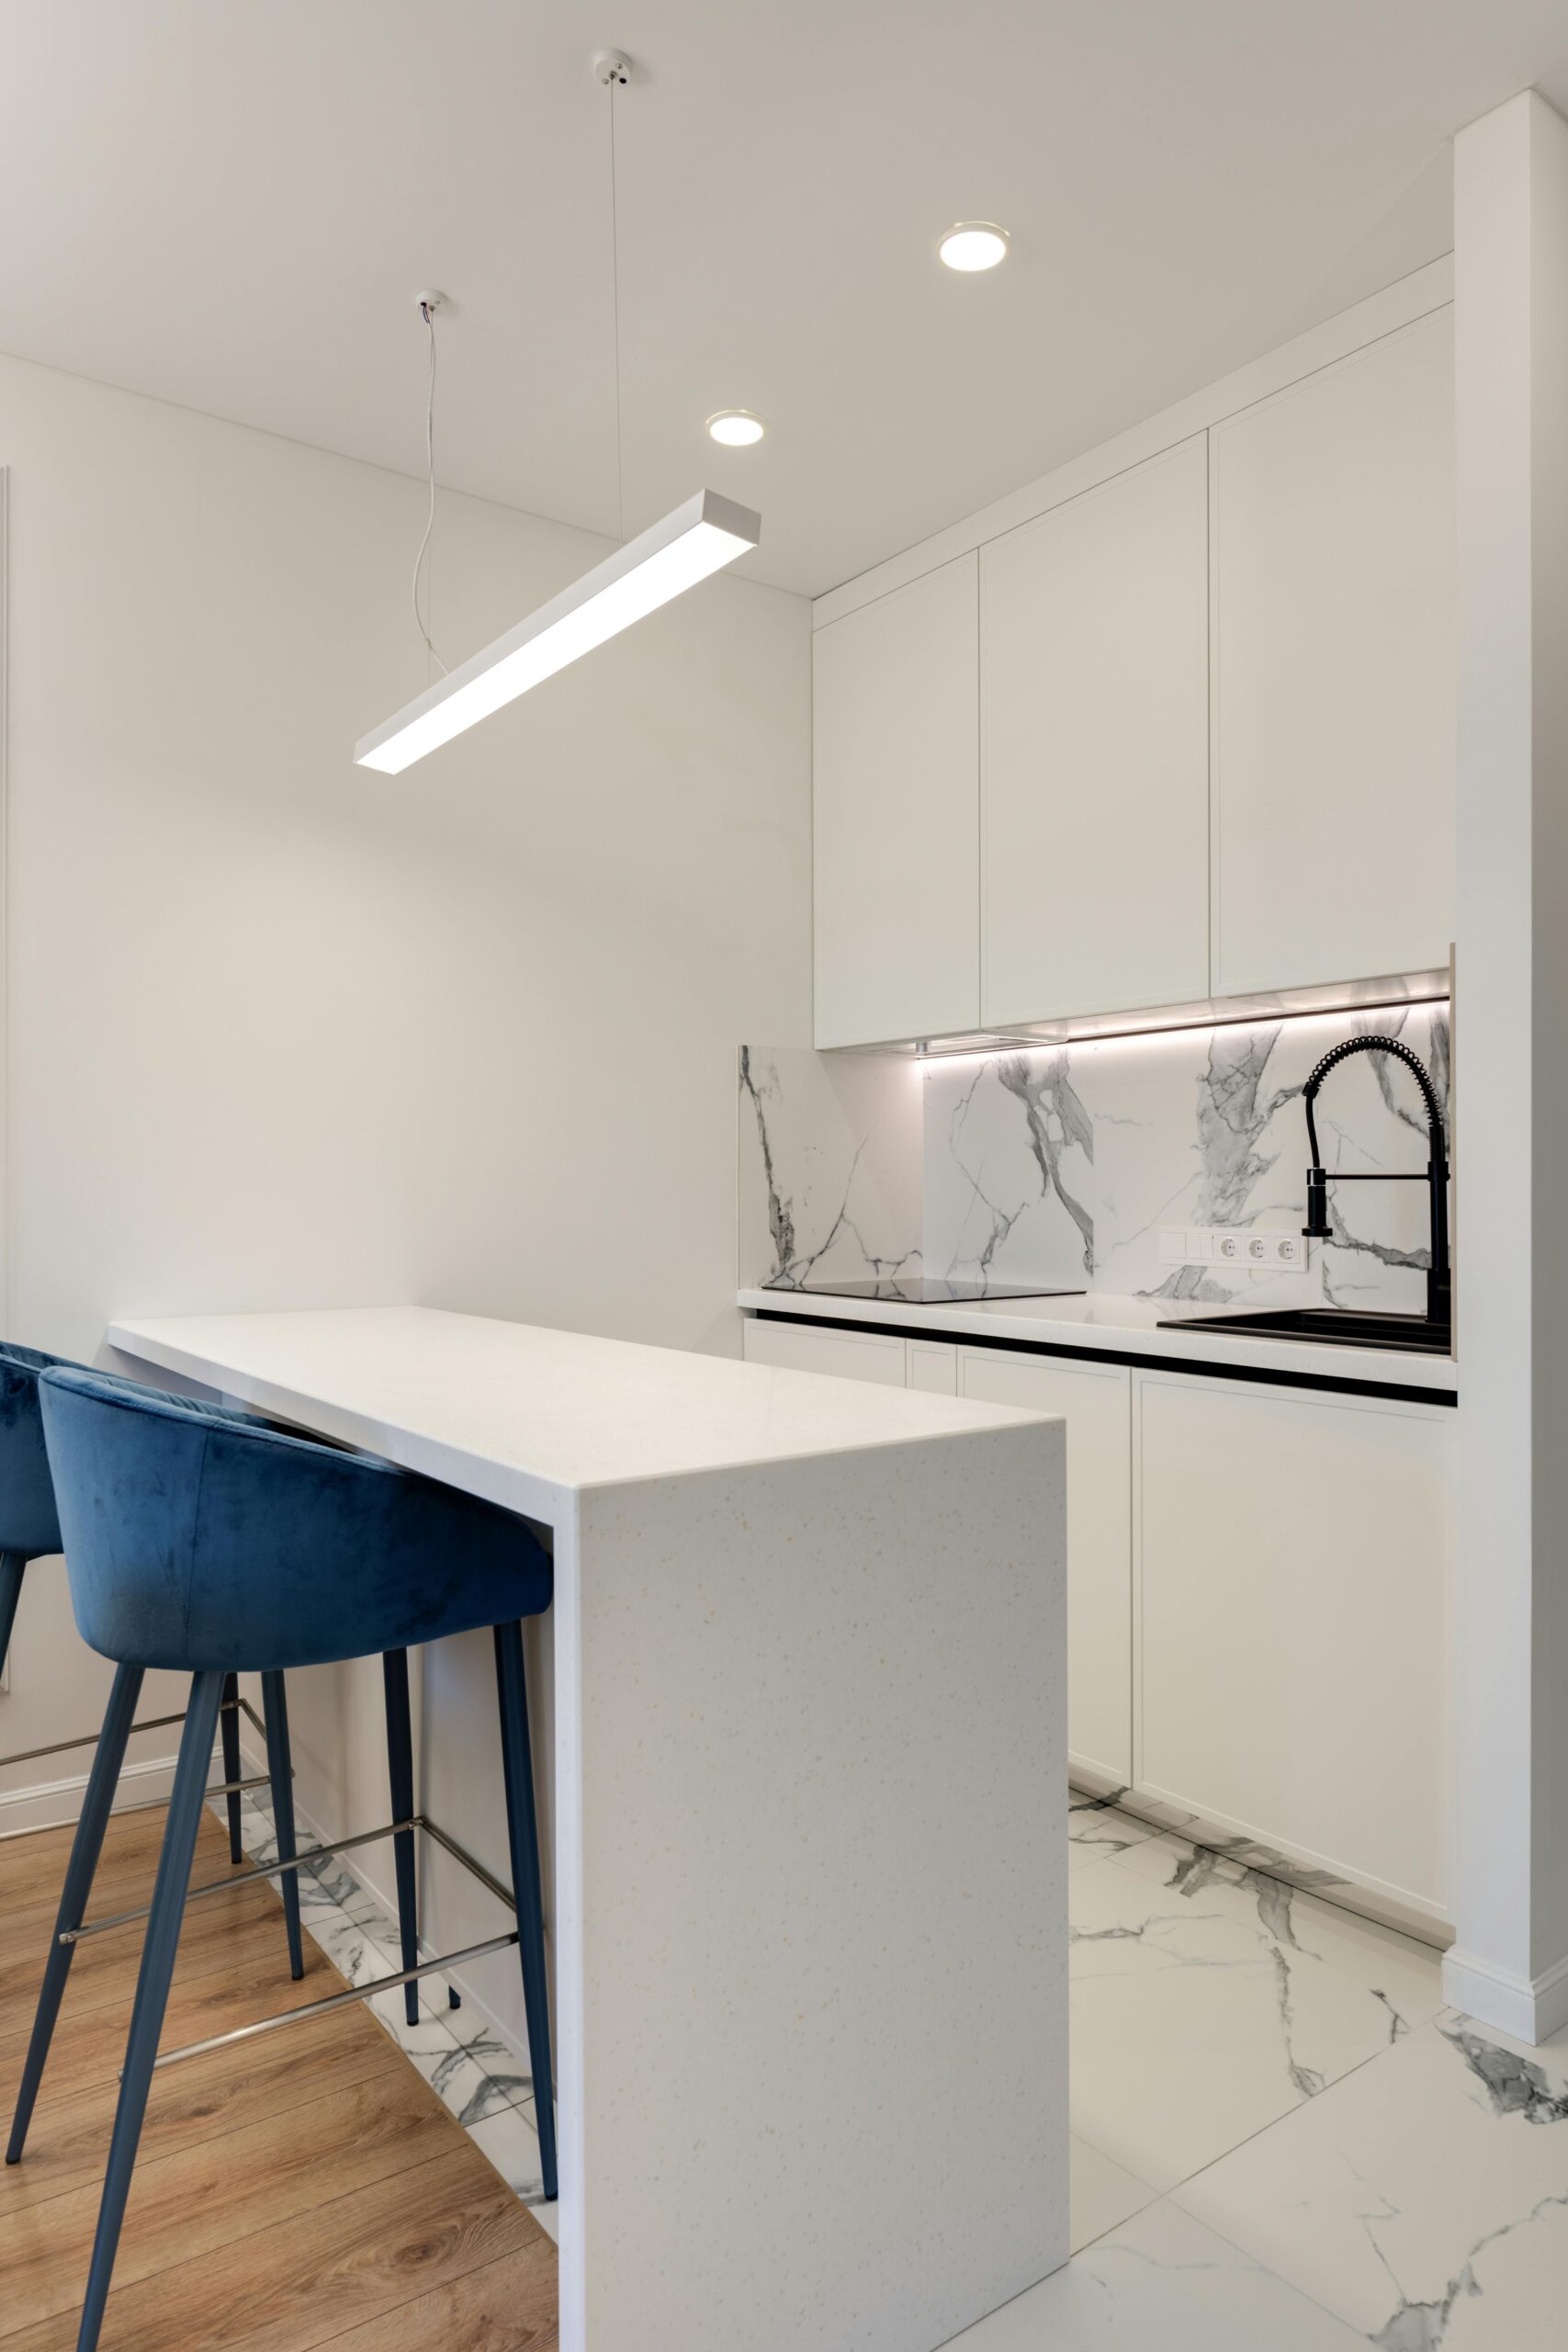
(305, 2189)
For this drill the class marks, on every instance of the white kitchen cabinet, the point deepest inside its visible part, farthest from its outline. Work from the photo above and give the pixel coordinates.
(895, 799)
(1290, 1561)
(807, 1347)
(1093, 1399)
(1333, 657)
(1094, 749)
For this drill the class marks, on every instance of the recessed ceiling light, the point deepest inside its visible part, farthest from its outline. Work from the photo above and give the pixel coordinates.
(736, 427)
(974, 245)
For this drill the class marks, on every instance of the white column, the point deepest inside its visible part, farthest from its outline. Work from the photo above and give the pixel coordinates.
(1509, 1965)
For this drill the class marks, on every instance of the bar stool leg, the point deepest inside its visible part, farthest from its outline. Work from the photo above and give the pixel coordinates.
(85, 1847)
(517, 1766)
(400, 1772)
(152, 1988)
(12, 1565)
(279, 1764)
(230, 1719)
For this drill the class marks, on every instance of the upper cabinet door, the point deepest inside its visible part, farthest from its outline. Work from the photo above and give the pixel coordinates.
(1331, 523)
(896, 725)
(1095, 749)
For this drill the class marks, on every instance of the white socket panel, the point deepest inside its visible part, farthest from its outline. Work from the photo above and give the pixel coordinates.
(1229, 1245)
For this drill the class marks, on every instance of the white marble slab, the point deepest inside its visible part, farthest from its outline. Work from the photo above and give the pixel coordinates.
(828, 1172)
(1425, 2198)
(1105, 2194)
(1163, 2283)
(1061, 1164)
(1204, 2011)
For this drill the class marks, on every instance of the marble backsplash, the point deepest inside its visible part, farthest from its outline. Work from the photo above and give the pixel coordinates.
(830, 1170)
(1062, 1165)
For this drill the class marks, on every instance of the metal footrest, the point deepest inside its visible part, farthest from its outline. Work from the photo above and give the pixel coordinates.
(336, 2000)
(459, 1854)
(154, 1723)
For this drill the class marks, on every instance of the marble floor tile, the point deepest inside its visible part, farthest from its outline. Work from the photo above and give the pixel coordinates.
(1424, 2199)
(1161, 2283)
(1405, 1976)
(1199, 2017)
(1096, 1830)
(510, 2143)
(1103, 2194)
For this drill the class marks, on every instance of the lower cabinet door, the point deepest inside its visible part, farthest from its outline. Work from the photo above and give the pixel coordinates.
(933, 1366)
(1292, 1563)
(807, 1347)
(1093, 1399)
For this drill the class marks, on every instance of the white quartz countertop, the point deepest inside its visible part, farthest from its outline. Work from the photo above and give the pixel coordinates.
(529, 1417)
(1131, 1327)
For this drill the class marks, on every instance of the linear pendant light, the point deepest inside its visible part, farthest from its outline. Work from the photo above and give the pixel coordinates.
(698, 539)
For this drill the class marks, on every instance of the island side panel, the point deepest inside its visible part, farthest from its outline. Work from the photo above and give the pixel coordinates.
(820, 1717)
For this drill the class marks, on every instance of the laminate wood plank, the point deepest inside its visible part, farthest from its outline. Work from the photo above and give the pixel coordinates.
(300, 2282)
(30, 1885)
(89, 2047)
(507, 2306)
(242, 1923)
(189, 2207)
(41, 1855)
(302, 2189)
(200, 2101)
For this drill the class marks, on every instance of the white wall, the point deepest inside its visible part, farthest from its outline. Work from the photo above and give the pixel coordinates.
(285, 1032)
(1510, 1963)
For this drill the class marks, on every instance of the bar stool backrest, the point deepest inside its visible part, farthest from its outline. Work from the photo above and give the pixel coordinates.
(199, 1540)
(29, 1523)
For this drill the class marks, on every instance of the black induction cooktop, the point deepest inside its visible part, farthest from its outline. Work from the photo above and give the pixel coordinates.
(920, 1289)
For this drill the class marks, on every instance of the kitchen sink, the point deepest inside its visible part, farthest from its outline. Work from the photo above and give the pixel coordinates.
(1339, 1326)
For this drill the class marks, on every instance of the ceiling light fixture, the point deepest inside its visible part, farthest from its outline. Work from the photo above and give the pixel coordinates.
(700, 537)
(697, 539)
(736, 427)
(974, 245)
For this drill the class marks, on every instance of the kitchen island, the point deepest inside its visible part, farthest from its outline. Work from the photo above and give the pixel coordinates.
(808, 1917)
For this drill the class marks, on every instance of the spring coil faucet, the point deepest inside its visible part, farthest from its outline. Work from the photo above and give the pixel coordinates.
(1439, 1290)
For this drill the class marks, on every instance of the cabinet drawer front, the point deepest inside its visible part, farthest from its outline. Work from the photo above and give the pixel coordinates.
(1292, 1583)
(1093, 1400)
(852, 1355)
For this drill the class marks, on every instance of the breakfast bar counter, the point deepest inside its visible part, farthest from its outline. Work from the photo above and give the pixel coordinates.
(810, 1938)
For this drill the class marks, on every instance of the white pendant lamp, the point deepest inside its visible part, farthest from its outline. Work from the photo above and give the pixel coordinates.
(696, 540)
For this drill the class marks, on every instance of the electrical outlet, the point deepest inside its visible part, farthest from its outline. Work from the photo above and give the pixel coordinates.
(1221, 1245)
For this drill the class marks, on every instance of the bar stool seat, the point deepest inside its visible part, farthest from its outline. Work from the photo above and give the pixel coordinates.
(202, 1542)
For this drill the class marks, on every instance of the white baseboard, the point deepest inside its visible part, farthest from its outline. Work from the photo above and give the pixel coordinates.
(51, 1804)
(1530, 2008)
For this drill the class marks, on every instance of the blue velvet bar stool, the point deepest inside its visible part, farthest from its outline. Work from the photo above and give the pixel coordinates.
(30, 1530)
(206, 1543)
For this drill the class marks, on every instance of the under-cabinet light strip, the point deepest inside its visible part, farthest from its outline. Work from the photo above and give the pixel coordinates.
(927, 1051)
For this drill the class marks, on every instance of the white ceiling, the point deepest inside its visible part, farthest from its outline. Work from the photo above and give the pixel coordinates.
(231, 203)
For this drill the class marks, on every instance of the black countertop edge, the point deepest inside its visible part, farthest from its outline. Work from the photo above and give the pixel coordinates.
(1330, 1384)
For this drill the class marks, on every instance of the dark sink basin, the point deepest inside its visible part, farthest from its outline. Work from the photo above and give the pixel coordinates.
(1339, 1326)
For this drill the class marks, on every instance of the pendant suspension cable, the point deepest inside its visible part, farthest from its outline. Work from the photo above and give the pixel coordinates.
(616, 81)
(428, 305)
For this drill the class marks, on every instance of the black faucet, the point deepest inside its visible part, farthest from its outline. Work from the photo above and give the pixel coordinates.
(1440, 1292)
